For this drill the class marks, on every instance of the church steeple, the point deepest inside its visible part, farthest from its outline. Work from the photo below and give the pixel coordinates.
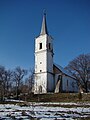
(44, 26)
(44, 78)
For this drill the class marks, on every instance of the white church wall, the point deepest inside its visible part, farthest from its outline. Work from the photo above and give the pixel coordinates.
(40, 65)
(40, 62)
(69, 84)
(43, 64)
(50, 83)
(40, 81)
(49, 62)
(43, 58)
(40, 39)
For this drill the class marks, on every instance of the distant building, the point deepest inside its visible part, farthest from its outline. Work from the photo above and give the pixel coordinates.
(49, 77)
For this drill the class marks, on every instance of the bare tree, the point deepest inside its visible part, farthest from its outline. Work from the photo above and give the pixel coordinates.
(8, 81)
(79, 68)
(18, 75)
(2, 81)
(30, 81)
(5, 82)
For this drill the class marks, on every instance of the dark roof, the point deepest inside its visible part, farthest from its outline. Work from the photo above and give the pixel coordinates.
(64, 71)
(44, 26)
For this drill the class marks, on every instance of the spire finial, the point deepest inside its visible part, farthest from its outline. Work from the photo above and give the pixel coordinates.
(44, 26)
(44, 11)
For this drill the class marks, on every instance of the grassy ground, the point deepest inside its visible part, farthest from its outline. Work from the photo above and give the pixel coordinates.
(60, 97)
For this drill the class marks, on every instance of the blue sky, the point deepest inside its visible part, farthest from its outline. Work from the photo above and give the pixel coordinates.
(68, 22)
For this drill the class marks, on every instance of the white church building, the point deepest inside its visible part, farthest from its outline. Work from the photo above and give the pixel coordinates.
(49, 77)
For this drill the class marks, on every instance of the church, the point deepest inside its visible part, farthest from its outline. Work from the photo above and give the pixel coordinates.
(49, 77)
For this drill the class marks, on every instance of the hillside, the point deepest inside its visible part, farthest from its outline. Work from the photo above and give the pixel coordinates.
(60, 97)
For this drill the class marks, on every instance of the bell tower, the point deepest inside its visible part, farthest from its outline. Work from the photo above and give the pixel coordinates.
(44, 80)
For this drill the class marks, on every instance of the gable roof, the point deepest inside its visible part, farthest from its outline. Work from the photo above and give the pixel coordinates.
(63, 71)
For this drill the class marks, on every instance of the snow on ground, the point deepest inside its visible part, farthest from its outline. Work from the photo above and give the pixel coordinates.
(59, 103)
(43, 111)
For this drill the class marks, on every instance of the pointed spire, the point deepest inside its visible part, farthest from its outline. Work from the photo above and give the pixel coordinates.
(44, 25)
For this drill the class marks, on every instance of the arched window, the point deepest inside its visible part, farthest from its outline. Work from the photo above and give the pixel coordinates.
(40, 89)
(60, 77)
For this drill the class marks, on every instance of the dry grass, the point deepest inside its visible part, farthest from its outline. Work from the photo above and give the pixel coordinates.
(60, 97)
